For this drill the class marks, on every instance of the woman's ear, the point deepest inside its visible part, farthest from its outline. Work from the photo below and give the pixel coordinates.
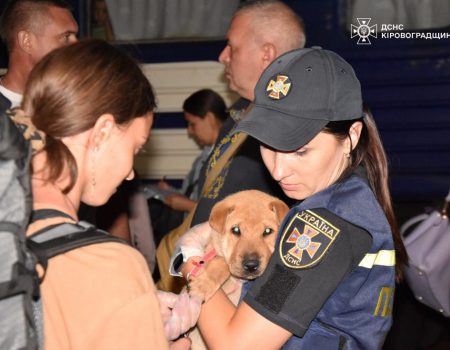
(210, 117)
(354, 133)
(103, 128)
(213, 121)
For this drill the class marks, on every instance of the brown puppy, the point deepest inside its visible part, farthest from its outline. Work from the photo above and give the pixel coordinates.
(243, 229)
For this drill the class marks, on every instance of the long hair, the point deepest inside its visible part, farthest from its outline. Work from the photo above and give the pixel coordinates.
(69, 89)
(369, 153)
(204, 101)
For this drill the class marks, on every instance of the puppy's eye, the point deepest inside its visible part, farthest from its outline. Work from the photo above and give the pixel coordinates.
(267, 231)
(236, 231)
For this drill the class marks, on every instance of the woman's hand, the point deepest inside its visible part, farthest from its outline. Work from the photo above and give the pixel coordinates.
(179, 312)
(163, 184)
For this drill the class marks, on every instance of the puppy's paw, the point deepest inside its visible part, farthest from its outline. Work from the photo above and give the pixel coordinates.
(209, 281)
(202, 287)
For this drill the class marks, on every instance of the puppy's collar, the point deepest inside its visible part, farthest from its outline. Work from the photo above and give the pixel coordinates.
(199, 265)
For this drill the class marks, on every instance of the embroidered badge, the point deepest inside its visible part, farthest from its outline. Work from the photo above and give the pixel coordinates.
(306, 239)
(278, 87)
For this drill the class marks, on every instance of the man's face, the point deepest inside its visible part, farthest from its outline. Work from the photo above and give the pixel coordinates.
(242, 57)
(59, 29)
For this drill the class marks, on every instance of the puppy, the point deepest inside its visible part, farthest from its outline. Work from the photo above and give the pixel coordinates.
(242, 229)
(238, 239)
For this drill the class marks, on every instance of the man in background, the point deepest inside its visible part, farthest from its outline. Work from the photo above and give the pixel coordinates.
(259, 32)
(30, 29)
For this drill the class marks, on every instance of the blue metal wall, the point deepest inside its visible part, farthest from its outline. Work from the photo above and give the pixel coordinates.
(406, 83)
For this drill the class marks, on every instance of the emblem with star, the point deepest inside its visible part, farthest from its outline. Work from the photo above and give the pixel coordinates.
(303, 242)
(278, 87)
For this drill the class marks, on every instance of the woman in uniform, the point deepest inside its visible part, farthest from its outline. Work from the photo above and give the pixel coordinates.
(331, 278)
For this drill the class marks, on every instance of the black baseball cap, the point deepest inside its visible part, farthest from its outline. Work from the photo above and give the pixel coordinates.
(298, 94)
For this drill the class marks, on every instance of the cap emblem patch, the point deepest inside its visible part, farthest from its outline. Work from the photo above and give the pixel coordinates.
(306, 239)
(278, 87)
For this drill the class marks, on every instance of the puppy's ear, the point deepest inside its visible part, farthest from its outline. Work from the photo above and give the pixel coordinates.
(280, 208)
(219, 214)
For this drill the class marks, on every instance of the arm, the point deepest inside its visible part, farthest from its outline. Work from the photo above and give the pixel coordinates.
(195, 241)
(271, 311)
(120, 227)
(206, 274)
(225, 327)
(164, 185)
(179, 202)
(191, 245)
(219, 319)
(219, 312)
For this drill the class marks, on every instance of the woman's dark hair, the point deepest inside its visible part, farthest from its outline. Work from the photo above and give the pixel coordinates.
(204, 101)
(70, 88)
(369, 153)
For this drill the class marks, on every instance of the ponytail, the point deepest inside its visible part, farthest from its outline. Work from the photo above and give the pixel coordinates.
(375, 162)
(59, 156)
(369, 153)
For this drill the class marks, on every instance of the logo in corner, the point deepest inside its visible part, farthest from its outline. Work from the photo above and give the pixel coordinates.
(306, 240)
(278, 87)
(364, 30)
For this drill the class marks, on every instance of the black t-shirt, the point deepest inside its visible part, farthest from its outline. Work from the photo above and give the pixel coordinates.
(297, 281)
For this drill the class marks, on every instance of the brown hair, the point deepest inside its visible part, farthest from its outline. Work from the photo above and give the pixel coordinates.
(369, 153)
(69, 89)
(25, 15)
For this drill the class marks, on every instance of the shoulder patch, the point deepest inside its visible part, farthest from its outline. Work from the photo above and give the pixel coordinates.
(306, 239)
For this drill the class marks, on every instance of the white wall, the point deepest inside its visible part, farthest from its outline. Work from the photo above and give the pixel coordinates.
(170, 152)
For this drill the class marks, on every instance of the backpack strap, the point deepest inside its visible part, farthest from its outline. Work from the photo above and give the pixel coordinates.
(63, 237)
(41, 214)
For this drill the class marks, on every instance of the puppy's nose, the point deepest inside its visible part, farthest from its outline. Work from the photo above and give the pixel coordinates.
(250, 264)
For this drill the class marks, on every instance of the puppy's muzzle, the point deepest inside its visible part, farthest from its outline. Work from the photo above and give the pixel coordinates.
(251, 264)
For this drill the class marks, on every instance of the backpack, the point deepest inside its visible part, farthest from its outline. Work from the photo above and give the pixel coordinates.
(17, 280)
(21, 321)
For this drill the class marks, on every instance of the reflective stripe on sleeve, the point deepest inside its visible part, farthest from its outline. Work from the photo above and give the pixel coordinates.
(382, 258)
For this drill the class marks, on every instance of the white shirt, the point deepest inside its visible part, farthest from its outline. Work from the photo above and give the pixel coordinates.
(14, 97)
